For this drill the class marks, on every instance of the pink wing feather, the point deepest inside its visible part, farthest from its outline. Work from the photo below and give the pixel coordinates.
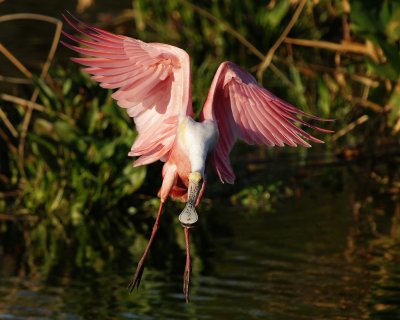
(153, 82)
(245, 110)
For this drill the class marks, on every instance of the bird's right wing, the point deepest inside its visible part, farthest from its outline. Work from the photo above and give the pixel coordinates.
(245, 110)
(153, 82)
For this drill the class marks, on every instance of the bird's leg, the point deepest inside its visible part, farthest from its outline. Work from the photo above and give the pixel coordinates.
(139, 269)
(188, 218)
(186, 275)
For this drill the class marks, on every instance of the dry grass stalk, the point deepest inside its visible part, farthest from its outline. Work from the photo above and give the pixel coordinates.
(268, 57)
(312, 70)
(43, 74)
(15, 61)
(225, 26)
(228, 28)
(346, 47)
(15, 80)
(22, 102)
(35, 106)
(82, 5)
(366, 103)
(350, 127)
(5, 137)
(8, 123)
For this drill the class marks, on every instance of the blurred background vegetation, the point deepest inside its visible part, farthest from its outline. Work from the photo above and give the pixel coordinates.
(66, 183)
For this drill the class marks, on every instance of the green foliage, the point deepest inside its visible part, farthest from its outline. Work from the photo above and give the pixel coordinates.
(77, 169)
(79, 149)
(380, 23)
(77, 186)
(311, 78)
(76, 166)
(261, 197)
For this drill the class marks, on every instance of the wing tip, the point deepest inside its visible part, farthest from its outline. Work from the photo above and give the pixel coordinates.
(227, 180)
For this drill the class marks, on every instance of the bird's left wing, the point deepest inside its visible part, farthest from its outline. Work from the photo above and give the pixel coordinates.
(245, 110)
(153, 82)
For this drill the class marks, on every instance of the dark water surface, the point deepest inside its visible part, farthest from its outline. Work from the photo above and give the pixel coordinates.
(324, 255)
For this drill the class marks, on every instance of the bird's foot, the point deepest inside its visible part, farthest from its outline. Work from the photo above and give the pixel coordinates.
(139, 269)
(137, 277)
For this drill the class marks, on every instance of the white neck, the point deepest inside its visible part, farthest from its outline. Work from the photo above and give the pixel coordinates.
(197, 139)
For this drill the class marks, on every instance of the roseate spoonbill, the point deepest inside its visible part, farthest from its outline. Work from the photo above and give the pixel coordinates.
(154, 86)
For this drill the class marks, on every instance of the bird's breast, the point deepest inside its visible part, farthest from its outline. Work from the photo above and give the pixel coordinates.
(192, 133)
(197, 139)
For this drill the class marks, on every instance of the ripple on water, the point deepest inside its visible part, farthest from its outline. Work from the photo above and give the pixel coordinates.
(275, 266)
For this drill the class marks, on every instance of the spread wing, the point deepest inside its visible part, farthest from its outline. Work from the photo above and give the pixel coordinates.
(153, 82)
(245, 110)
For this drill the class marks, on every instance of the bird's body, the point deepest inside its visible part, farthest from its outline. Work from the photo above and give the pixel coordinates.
(189, 154)
(154, 86)
(196, 139)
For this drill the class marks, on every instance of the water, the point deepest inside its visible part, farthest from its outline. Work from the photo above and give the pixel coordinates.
(324, 255)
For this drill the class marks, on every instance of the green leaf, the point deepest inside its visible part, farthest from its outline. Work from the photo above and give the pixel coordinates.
(66, 132)
(92, 116)
(66, 88)
(300, 90)
(394, 104)
(323, 97)
(390, 20)
(49, 145)
(131, 179)
(363, 18)
(45, 89)
(279, 12)
(43, 127)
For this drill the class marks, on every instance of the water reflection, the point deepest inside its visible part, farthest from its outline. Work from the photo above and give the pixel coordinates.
(325, 255)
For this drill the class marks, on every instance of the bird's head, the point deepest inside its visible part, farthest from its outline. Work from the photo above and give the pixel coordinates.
(189, 217)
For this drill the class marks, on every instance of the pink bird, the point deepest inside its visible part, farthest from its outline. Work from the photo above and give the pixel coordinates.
(153, 82)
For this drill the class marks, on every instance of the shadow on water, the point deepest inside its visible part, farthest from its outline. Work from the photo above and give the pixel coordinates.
(331, 253)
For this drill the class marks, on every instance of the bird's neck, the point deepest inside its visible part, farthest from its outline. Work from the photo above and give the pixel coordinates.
(197, 139)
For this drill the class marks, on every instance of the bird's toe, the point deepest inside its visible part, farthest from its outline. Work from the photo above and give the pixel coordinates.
(136, 278)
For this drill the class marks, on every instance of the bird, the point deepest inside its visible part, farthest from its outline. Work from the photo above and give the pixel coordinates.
(153, 84)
